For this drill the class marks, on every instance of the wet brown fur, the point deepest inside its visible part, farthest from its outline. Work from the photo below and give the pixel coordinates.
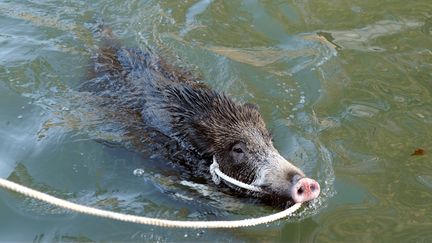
(188, 120)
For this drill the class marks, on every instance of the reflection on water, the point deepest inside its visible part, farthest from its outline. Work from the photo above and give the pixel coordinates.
(309, 55)
(18, 130)
(359, 39)
(345, 89)
(193, 11)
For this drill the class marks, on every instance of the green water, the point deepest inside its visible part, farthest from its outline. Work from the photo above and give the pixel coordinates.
(345, 86)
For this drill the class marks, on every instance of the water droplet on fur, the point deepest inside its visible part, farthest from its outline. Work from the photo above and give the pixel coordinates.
(138, 172)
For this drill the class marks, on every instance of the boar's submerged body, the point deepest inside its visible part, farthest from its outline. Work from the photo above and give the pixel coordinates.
(195, 120)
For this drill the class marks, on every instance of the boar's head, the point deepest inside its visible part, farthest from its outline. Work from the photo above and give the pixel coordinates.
(237, 136)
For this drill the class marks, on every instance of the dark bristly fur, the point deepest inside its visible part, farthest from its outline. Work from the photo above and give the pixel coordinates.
(195, 121)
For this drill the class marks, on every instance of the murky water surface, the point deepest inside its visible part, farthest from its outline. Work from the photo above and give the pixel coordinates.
(346, 88)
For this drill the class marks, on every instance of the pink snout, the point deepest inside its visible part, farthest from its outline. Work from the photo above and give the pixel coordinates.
(305, 190)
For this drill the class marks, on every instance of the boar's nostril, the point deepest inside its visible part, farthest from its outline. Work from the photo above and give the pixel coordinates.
(300, 190)
(312, 187)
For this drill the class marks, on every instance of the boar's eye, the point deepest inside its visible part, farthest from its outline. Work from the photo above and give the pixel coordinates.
(238, 148)
(238, 152)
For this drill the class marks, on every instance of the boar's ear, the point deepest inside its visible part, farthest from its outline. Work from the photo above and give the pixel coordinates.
(251, 106)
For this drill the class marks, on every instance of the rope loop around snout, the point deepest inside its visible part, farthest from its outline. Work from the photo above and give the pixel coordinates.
(217, 175)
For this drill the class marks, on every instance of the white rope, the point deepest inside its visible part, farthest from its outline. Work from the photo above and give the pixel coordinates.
(144, 220)
(217, 175)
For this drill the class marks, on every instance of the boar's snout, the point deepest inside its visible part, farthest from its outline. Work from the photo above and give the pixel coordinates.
(305, 190)
(285, 182)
